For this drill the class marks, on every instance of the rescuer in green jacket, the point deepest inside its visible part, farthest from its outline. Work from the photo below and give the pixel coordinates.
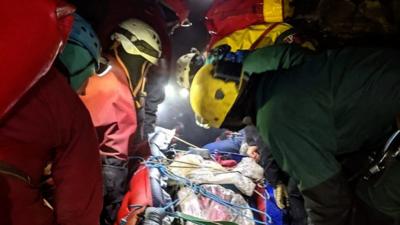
(312, 109)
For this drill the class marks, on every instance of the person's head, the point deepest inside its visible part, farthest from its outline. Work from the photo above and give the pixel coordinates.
(81, 56)
(137, 45)
(187, 66)
(33, 32)
(137, 38)
(219, 91)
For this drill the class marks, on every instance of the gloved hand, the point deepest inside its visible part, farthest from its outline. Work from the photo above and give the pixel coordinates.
(252, 152)
(154, 216)
(281, 195)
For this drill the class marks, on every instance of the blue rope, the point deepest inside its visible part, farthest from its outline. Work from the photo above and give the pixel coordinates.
(199, 189)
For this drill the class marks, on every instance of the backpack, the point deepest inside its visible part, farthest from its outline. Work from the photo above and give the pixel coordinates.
(224, 17)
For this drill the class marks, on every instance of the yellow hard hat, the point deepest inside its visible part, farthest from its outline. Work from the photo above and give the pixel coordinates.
(212, 98)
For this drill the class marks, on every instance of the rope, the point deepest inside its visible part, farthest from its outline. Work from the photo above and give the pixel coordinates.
(199, 189)
(185, 142)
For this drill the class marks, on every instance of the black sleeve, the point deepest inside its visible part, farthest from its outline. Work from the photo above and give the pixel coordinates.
(329, 203)
(272, 171)
(155, 96)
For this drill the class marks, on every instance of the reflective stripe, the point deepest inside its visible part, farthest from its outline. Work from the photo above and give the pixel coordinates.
(142, 45)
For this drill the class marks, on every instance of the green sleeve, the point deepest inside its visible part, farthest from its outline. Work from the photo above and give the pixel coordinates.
(273, 57)
(299, 131)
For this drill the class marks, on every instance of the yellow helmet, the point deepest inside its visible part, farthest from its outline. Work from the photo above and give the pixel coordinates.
(212, 98)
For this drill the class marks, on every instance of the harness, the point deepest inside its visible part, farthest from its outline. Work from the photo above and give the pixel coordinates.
(390, 154)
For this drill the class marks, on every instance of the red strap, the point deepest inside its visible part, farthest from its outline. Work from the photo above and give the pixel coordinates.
(261, 37)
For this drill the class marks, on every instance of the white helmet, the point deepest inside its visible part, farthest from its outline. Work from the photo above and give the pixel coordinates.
(139, 38)
(187, 66)
(201, 122)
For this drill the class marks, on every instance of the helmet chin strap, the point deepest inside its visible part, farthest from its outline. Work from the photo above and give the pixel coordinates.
(139, 92)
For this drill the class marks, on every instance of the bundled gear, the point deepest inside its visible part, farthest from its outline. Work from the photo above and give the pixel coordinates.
(81, 56)
(46, 24)
(262, 35)
(225, 17)
(187, 66)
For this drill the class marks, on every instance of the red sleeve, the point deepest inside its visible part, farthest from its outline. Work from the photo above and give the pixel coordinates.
(76, 166)
(113, 113)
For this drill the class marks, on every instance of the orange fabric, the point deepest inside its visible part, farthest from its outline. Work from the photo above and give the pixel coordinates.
(111, 105)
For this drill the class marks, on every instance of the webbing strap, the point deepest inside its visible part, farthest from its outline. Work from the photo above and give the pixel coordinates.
(12, 171)
(263, 35)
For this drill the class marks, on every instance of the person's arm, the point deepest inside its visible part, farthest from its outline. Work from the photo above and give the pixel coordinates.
(113, 113)
(330, 202)
(275, 57)
(273, 173)
(155, 96)
(302, 141)
(77, 170)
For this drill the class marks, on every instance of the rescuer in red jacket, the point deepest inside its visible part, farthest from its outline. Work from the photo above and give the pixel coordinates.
(43, 121)
(113, 99)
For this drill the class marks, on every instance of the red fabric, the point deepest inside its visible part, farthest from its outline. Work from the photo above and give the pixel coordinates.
(50, 123)
(138, 196)
(31, 36)
(225, 162)
(225, 17)
(261, 202)
(180, 8)
(111, 106)
(142, 149)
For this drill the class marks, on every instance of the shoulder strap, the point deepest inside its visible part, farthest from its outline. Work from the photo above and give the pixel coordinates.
(263, 35)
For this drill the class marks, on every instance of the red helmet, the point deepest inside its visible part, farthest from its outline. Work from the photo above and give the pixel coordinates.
(33, 32)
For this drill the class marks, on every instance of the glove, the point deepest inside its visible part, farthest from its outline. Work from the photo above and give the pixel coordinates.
(154, 216)
(252, 152)
(281, 196)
